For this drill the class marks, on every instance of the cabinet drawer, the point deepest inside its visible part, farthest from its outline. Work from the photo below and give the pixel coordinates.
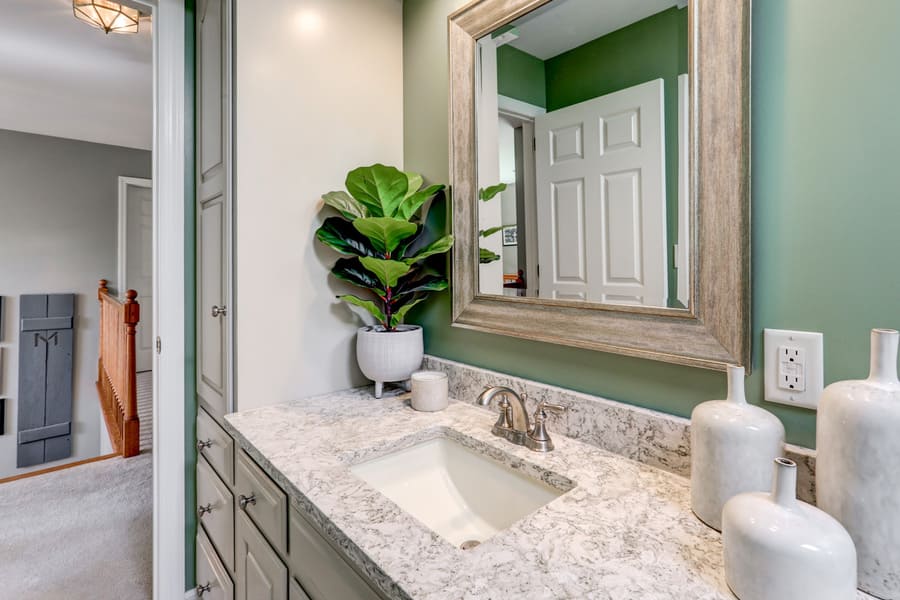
(264, 502)
(321, 570)
(216, 446)
(260, 573)
(213, 582)
(296, 592)
(215, 511)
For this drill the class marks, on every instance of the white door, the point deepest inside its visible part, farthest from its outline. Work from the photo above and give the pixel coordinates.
(214, 168)
(601, 196)
(136, 258)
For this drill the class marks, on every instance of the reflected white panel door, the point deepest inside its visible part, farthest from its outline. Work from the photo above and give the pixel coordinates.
(601, 198)
(136, 258)
(214, 158)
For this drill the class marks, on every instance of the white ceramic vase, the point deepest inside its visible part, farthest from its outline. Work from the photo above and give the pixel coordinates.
(857, 472)
(385, 356)
(733, 444)
(778, 548)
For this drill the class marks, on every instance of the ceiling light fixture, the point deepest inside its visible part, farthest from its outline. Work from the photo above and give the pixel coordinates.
(106, 15)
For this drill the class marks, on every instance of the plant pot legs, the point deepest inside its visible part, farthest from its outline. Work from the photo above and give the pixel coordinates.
(407, 385)
(379, 386)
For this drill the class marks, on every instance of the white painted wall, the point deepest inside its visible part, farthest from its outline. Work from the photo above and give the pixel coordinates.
(319, 92)
(58, 217)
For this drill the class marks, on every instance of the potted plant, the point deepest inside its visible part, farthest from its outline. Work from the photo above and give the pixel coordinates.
(380, 231)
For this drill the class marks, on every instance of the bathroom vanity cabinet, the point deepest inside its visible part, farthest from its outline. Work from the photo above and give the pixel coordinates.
(251, 543)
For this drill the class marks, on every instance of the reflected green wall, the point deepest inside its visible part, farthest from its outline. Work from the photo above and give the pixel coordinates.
(826, 206)
(521, 76)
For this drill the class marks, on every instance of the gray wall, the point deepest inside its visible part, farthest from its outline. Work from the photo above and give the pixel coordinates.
(58, 218)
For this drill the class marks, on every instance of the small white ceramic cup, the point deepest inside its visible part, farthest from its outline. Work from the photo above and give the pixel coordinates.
(430, 390)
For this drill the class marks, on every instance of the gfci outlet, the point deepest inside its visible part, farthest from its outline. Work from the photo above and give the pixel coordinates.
(794, 367)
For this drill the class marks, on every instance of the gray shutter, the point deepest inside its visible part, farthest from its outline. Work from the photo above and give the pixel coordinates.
(45, 378)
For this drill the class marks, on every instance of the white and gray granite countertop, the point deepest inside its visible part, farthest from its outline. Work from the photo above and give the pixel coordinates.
(625, 532)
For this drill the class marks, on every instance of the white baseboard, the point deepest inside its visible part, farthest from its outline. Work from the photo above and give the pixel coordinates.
(190, 595)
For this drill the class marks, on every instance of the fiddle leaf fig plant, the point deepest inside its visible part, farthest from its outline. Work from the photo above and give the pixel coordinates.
(380, 232)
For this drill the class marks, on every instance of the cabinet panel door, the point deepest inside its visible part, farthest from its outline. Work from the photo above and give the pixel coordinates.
(213, 582)
(215, 510)
(323, 572)
(297, 592)
(214, 192)
(216, 446)
(268, 504)
(260, 573)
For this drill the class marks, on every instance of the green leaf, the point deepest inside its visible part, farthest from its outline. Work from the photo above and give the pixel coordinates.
(416, 282)
(366, 304)
(437, 247)
(490, 230)
(491, 191)
(380, 188)
(486, 256)
(387, 271)
(340, 235)
(415, 182)
(348, 206)
(397, 317)
(352, 271)
(410, 205)
(385, 233)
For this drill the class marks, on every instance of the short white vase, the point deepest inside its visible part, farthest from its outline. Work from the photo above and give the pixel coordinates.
(857, 473)
(779, 548)
(733, 444)
(385, 356)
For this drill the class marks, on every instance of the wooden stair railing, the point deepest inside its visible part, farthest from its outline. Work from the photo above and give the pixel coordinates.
(117, 371)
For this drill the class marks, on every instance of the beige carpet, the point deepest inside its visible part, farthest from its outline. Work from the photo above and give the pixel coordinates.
(84, 533)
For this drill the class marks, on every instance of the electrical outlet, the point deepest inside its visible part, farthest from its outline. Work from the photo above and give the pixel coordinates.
(794, 370)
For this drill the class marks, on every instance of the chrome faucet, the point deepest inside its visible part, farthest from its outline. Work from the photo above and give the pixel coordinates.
(513, 423)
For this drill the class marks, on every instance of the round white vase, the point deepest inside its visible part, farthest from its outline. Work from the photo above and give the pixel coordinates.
(385, 356)
(857, 475)
(777, 547)
(733, 444)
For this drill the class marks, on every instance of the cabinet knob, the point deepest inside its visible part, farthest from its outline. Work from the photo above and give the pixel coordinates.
(243, 501)
(202, 510)
(202, 589)
(204, 444)
(219, 311)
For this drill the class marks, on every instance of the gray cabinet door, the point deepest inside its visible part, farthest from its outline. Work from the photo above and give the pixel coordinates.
(214, 206)
(213, 582)
(260, 573)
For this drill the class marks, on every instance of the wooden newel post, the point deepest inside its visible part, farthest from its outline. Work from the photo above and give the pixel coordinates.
(131, 316)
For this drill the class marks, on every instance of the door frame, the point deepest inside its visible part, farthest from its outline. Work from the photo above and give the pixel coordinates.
(122, 253)
(169, 172)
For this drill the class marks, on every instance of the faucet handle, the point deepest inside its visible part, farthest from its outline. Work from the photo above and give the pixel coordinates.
(538, 439)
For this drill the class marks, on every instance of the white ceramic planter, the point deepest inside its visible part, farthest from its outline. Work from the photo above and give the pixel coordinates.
(385, 356)
(857, 473)
(779, 548)
(733, 444)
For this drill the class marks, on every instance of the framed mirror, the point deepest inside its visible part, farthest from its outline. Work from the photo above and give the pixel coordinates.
(600, 172)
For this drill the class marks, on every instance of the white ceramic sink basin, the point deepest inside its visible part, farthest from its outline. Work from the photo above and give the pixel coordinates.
(456, 492)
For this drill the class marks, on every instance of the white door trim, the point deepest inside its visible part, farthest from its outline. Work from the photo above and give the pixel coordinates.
(122, 255)
(169, 147)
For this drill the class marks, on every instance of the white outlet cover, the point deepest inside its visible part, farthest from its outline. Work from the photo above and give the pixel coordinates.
(811, 343)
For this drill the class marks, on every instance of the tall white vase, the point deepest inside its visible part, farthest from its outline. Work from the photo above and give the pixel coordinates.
(858, 464)
(733, 444)
(779, 548)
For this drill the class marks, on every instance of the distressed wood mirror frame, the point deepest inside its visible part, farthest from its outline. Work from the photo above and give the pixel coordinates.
(715, 330)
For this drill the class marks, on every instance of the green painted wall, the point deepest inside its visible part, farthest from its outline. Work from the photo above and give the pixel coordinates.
(190, 307)
(521, 76)
(826, 205)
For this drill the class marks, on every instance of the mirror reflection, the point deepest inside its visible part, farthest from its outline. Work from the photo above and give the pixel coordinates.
(582, 133)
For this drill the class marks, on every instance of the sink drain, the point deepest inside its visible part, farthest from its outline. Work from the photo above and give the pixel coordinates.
(469, 544)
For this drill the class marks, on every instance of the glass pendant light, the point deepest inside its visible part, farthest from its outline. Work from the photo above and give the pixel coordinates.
(106, 15)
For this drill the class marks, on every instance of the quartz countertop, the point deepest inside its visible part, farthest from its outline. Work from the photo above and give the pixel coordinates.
(624, 532)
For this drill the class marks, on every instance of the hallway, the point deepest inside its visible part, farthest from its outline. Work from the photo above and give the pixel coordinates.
(83, 533)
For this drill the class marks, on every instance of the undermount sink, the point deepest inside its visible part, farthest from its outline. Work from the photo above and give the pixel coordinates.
(459, 494)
